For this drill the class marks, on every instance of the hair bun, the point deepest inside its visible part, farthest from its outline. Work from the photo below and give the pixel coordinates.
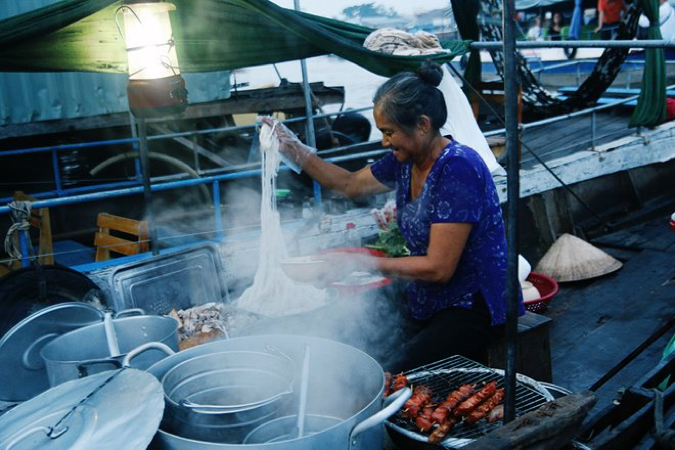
(430, 72)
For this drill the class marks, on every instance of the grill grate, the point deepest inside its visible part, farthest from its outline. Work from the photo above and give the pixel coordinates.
(449, 374)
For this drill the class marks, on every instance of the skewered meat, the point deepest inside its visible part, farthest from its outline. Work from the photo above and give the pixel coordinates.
(424, 420)
(400, 381)
(443, 429)
(482, 411)
(387, 383)
(420, 397)
(472, 402)
(496, 414)
(454, 398)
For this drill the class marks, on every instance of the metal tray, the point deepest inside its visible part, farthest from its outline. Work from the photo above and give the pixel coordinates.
(180, 280)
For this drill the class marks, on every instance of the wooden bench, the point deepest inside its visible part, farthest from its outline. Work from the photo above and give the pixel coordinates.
(533, 348)
(106, 243)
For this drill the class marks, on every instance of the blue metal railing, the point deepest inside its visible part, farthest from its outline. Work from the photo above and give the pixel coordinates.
(54, 149)
(119, 189)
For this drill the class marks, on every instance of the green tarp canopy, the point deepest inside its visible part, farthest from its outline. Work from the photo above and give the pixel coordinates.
(210, 35)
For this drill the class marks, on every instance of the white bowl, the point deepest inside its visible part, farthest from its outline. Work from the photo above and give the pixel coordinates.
(304, 269)
(530, 292)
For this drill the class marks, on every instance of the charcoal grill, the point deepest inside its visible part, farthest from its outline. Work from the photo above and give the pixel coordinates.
(449, 374)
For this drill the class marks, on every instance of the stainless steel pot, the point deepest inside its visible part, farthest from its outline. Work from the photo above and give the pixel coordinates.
(217, 397)
(285, 428)
(229, 382)
(85, 351)
(344, 383)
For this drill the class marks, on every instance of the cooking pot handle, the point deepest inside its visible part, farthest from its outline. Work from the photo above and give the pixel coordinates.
(142, 348)
(394, 402)
(82, 367)
(130, 312)
(219, 409)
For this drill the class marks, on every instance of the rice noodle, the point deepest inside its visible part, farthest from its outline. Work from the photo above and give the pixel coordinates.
(273, 293)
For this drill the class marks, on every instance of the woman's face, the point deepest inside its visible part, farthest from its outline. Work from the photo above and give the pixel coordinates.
(403, 143)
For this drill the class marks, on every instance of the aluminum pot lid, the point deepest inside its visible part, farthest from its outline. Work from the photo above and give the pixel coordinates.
(22, 371)
(113, 409)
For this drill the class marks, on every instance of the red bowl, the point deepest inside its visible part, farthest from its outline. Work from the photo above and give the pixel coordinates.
(547, 288)
(346, 290)
(363, 250)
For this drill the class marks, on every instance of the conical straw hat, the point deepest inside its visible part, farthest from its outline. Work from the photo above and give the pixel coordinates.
(572, 259)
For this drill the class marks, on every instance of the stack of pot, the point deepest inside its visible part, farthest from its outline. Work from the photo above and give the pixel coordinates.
(71, 340)
(242, 393)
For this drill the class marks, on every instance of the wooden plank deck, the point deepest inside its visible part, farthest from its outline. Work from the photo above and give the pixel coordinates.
(564, 138)
(597, 323)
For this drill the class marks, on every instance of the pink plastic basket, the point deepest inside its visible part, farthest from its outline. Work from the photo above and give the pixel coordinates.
(547, 288)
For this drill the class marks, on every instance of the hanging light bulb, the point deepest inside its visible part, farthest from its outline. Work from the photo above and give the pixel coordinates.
(155, 86)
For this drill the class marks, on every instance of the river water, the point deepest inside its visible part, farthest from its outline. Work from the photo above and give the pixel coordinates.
(359, 84)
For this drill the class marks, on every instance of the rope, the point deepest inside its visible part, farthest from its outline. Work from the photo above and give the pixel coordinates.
(20, 213)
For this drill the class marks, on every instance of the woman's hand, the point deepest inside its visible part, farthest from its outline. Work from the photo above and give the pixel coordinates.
(330, 176)
(289, 144)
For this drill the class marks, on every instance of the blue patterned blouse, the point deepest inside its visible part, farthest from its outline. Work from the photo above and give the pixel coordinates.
(459, 188)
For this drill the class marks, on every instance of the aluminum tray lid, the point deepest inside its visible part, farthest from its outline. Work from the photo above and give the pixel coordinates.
(180, 280)
(22, 371)
(123, 409)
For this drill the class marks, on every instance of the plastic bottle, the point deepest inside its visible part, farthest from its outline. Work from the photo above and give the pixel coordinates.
(353, 236)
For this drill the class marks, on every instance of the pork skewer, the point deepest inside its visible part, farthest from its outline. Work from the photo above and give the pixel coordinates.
(453, 399)
(443, 429)
(387, 384)
(400, 381)
(496, 414)
(472, 402)
(464, 408)
(484, 409)
(424, 420)
(420, 397)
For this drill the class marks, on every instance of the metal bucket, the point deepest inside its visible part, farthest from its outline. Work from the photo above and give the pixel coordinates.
(344, 383)
(85, 351)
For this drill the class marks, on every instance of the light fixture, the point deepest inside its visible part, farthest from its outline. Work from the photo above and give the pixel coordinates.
(155, 86)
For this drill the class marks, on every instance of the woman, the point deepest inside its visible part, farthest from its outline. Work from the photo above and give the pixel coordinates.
(448, 212)
(555, 27)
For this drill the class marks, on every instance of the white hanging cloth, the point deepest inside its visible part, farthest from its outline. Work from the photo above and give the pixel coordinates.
(461, 123)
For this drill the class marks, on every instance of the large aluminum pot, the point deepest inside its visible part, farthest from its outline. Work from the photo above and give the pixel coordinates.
(344, 383)
(219, 396)
(85, 351)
